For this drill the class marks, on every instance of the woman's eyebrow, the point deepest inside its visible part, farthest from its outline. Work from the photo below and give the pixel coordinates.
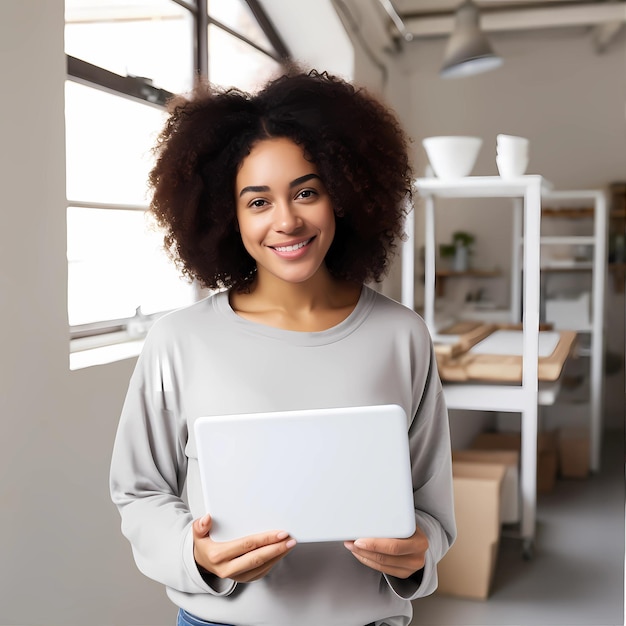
(254, 189)
(265, 188)
(302, 179)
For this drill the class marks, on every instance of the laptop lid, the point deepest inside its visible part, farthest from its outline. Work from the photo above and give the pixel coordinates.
(321, 475)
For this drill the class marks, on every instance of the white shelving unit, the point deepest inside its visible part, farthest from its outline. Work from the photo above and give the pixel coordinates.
(526, 193)
(598, 267)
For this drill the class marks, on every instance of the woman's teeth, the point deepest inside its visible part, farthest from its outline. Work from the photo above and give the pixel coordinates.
(292, 248)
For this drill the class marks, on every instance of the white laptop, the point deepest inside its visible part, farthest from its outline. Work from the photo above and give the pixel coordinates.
(320, 475)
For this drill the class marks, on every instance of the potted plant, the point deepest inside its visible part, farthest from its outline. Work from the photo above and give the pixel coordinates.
(459, 250)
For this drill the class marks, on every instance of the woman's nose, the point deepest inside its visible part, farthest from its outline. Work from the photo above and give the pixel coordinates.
(286, 218)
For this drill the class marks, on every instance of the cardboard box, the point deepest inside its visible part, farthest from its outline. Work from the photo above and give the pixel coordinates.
(468, 567)
(547, 452)
(510, 511)
(574, 452)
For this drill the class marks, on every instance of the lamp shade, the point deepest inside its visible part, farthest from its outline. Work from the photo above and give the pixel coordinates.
(468, 51)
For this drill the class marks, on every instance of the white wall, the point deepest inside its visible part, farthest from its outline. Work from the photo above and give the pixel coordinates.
(64, 560)
(553, 88)
(335, 55)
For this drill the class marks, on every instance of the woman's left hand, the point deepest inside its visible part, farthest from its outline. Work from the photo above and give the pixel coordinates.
(397, 557)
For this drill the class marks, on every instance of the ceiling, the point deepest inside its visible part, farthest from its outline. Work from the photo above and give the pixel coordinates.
(406, 7)
(603, 20)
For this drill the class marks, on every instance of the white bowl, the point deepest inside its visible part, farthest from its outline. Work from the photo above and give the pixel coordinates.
(451, 156)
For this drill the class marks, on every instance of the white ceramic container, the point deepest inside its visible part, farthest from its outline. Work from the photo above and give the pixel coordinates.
(452, 156)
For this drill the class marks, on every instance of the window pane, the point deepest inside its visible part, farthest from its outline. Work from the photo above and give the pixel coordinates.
(237, 16)
(108, 142)
(115, 264)
(149, 38)
(232, 62)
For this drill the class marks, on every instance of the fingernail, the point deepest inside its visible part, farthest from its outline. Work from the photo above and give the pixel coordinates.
(360, 544)
(291, 543)
(282, 535)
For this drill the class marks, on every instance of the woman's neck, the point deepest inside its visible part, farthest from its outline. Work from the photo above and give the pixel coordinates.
(314, 305)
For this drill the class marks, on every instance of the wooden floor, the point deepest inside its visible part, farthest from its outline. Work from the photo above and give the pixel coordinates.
(576, 576)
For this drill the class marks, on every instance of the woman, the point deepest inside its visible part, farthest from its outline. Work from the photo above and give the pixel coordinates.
(287, 202)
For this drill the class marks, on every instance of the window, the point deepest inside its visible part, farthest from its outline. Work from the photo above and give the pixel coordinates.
(114, 258)
(146, 38)
(125, 59)
(248, 68)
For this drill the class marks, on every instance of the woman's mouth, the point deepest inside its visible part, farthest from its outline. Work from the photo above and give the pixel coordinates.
(293, 247)
(294, 250)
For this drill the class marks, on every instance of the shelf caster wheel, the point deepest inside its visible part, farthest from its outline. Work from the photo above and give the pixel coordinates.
(528, 549)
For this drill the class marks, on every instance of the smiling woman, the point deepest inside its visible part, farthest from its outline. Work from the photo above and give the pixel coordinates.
(287, 200)
(287, 224)
(207, 137)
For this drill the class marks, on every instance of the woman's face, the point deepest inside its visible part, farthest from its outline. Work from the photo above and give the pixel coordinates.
(285, 217)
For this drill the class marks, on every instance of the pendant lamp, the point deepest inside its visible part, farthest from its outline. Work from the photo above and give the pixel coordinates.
(468, 51)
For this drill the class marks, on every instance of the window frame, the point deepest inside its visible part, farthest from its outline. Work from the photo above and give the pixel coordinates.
(141, 89)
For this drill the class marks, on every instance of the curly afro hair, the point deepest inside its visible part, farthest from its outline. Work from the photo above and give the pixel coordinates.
(356, 142)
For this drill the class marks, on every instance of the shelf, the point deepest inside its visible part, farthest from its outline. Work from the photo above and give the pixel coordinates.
(493, 397)
(570, 240)
(568, 212)
(526, 193)
(529, 195)
(575, 266)
(442, 275)
(477, 273)
(481, 186)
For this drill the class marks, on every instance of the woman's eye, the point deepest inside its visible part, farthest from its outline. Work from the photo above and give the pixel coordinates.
(258, 204)
(306, 193)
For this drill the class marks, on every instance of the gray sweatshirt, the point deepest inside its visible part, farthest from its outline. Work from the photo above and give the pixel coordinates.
(207, 360)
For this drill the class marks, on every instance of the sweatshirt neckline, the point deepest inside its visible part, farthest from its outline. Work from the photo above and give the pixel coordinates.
(295, 337)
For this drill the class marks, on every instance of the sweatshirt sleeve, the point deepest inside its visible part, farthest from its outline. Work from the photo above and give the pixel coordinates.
(431, 465)
(147, 477)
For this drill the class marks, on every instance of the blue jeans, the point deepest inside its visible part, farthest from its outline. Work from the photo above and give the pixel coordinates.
(187, 619)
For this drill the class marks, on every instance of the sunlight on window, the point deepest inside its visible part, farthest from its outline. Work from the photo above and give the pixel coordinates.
(247, 68)
(236, 15)
(116, 264)
(109, 143)
(149, 38)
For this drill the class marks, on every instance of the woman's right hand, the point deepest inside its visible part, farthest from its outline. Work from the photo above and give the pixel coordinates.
(242, 560)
